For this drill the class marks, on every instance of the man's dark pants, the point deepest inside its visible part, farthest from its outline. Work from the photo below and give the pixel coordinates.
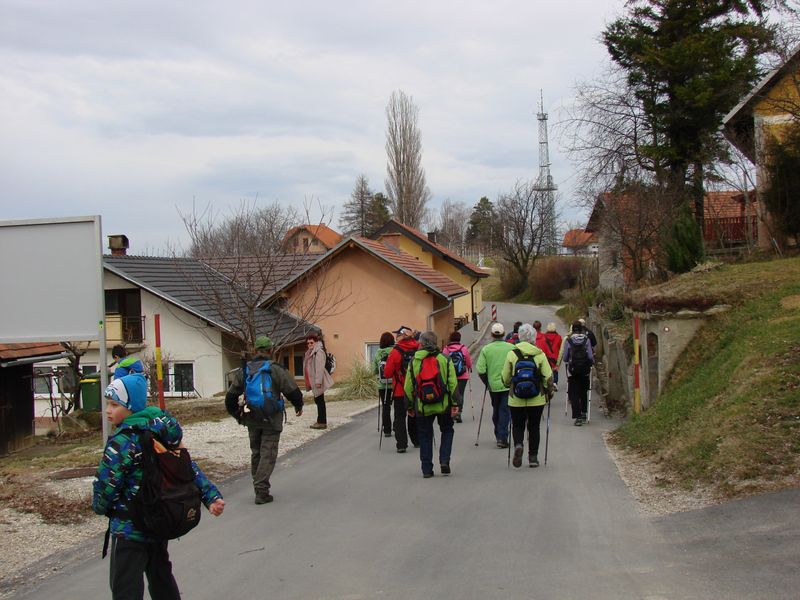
(501, 416)
(425, 429)
(578, 393)
(263, 453)
(130, 561)
(405, 425)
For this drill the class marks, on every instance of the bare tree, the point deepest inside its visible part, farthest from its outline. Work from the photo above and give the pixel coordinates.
(405, 182)
(452, 224)
(525, 222)
(238, 288)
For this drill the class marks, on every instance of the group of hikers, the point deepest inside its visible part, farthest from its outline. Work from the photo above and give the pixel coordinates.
(151, 490)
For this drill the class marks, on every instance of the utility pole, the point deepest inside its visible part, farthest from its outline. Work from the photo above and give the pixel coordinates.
(545, 183)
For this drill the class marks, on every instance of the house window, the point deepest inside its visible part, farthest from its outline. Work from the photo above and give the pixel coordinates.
(88, 369)
(305, 243)
(298, 365)
(315, 242)
(183, 377)
(42, 381)
(371, 349)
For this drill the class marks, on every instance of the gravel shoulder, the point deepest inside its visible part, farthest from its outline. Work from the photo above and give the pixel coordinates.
(30, 547)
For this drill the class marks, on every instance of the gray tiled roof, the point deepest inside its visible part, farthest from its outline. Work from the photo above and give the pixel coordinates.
(204, 292)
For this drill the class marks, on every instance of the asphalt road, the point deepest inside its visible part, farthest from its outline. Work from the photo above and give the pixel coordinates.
(352, 522)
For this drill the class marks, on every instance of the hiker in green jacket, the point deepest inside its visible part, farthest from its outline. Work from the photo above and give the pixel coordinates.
(384, 383)
(529, 391)
(490, 369)
(430, 384)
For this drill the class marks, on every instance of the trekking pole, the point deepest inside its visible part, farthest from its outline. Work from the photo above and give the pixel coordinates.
(547, 433)
(480, 420)
(381, 404)
(589, 398)
(471, 399)
(508, 439)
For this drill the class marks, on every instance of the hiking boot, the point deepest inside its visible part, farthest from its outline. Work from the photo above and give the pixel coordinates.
(502, 444)
(517, 462)
(416, 445)
(319, 426)
(445, 468)
(264, 498)
(428, 475)
(401, 450)
(584, 418)
(578, 422)
(387, 434)
(533, 461)
(457, 418)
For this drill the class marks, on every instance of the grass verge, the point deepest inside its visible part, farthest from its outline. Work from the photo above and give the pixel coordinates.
(730, 415)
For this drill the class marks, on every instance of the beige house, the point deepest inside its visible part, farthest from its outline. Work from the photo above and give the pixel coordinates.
(370, 287)
(439, 258)
(313, 239)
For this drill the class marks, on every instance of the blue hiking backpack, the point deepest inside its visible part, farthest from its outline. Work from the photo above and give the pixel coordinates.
(526, 381)
(258, 394)
(459, 362)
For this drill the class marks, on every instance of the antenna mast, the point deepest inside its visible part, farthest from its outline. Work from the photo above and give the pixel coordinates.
(545, 182)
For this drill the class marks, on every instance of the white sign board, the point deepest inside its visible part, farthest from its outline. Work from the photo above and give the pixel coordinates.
(51, 273)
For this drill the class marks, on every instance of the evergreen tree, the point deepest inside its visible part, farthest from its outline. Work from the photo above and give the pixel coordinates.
(688, 63)
(481, 224)
(378, 213)
(684, 247)
(355, 211)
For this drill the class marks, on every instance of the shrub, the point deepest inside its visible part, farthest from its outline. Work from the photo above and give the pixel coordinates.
(361, 383)
(511, 283)
(552, 275)
(684, 247)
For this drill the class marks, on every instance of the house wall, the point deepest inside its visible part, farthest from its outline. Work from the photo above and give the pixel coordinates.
(377, 298)
(305, 237)
(184, 339)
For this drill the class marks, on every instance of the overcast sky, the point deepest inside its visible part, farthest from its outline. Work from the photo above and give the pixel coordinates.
(135, 110)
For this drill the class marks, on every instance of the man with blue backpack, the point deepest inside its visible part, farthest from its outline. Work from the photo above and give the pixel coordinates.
(529, 377)
(263, 384)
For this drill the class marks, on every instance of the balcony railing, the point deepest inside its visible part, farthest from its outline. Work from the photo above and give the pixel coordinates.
(124, 330)
(729, 230)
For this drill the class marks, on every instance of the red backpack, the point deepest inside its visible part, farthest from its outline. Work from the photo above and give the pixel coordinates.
(429, 387)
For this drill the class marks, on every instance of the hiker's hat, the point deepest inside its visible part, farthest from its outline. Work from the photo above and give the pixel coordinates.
(403, 330)
(129, 391)
(263, 343)
(498, 329)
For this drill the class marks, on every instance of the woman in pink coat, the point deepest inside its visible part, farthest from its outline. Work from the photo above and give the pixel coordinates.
(317, 377)
(462, 362)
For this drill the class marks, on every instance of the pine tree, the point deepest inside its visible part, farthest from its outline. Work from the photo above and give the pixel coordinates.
(355, 211)
(684, 247)
(378, 213)
(481, 224)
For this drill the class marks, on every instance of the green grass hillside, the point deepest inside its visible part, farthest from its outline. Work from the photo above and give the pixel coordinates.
(729, 417)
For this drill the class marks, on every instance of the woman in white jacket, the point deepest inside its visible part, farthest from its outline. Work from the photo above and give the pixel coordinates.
(317, 377)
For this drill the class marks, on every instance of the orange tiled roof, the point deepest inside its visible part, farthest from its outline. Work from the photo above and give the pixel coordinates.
(719, 205)
(323, 233)
(12, 351)
(578, 238)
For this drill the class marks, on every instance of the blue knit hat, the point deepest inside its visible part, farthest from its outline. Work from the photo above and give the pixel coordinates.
(129, 391)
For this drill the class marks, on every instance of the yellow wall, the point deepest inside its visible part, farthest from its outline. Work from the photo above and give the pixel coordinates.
(785, 92)
(375, 298)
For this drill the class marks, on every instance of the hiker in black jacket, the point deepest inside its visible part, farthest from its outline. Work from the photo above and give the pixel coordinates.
(579, 358)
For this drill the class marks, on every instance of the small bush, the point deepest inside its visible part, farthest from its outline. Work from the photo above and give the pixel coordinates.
(361, 383)
(551, 276)
(511, 283)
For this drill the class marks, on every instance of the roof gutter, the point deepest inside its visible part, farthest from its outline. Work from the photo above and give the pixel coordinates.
(33, 359)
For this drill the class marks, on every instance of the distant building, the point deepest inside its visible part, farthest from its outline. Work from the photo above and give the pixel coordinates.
(314, 239)
(579, 242)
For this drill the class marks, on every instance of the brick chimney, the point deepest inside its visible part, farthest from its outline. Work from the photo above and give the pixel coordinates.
(432, 236)
(391, 239)
(118, 244)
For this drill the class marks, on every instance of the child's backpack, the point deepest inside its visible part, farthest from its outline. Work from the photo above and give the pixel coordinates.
(526, 381)
(167, 504)
(330, 363)
(459, 361)
(259, 398)
(429, 387)
(579, 362)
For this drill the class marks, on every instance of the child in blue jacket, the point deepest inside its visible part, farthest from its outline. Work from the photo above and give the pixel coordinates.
(118, 478)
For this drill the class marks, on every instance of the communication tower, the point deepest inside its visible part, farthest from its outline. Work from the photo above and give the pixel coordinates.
(545, 182)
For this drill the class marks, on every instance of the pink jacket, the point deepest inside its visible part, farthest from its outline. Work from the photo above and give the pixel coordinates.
(317, 378)
(452, 347)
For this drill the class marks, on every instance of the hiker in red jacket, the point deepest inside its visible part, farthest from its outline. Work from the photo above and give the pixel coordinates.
(462, 362)
(537, 325)
(551, 345)
(396, 366)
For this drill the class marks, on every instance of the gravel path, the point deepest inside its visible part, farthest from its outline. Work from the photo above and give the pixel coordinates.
(25, 539)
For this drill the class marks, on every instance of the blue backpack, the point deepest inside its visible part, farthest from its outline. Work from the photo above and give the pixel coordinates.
(459, 362)
(258, 394)
(526, 379)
